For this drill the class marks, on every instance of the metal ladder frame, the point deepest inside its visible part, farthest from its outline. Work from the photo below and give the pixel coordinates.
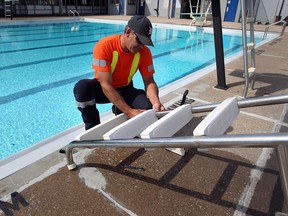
(74, 12)
(8, 9)
(249, 72)
(284, 23)
(279, 141)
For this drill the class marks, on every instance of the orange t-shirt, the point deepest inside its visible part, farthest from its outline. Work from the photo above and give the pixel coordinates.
(103, 55)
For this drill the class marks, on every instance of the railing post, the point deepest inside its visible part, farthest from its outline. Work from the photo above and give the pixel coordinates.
(284, 26)
(282, 153)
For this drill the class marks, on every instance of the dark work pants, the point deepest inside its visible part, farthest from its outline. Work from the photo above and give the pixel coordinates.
(88, 93)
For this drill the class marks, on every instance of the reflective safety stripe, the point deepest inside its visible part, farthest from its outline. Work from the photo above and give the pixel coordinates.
(114, 61)
(150, 68)
(86, 103)
(134, 66)
(99, 62)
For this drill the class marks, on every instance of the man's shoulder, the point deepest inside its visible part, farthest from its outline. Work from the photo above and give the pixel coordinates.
(110, 39)
(145, 50)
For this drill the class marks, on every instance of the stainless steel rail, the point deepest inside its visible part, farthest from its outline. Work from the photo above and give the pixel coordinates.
(76, 12)
(245, 49)
(224, 141)
(279, 141)
(71, 12)
(244, 103)
(284, 23)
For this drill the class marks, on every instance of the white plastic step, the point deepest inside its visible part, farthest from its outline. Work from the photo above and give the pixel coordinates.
(251, 46)
(132, 127)
(97, 132)
(219, 120)
(168, 125)
(251, 71)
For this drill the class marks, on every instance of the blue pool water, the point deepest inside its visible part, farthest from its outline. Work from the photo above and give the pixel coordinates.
(41, 62)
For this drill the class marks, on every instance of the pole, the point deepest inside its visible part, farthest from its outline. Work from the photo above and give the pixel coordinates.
(217, 27)
(169, 8)
(281, 8)
(245, 54)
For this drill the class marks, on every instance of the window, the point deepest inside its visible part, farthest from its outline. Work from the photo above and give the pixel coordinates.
(114, 1)
(55, 2)
(131, 2)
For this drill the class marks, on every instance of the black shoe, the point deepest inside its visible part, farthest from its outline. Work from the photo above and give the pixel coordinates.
(115, 110)
(62, 151)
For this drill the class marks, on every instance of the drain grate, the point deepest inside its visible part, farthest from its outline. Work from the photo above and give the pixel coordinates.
(178, 103)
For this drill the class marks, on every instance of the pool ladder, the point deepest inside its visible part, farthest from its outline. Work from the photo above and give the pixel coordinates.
(249, 71)
(8, 9)
(74, 12)
(284, 23)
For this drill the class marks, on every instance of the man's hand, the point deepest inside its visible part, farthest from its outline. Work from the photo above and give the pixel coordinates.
(158, 107)
(133, 112)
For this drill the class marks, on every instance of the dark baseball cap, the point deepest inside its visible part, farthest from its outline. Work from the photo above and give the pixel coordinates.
(142, 27)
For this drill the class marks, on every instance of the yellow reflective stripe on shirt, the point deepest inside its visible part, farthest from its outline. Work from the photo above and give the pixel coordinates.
(114, 61)
(134, 66)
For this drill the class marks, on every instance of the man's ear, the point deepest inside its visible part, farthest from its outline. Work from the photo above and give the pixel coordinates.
(128, 30)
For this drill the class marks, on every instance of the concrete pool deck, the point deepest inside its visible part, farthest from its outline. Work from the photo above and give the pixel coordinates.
(214, 182)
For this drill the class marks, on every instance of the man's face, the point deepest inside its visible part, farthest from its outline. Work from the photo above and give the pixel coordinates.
(134, 45)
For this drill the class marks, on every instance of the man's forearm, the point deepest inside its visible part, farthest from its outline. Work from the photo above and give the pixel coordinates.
(153, 93)
(116, 99)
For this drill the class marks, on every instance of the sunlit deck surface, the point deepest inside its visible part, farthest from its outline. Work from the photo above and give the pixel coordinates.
(215, 182)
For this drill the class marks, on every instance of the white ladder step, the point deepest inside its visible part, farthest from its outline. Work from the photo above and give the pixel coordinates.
(97, 132)
(251, 71)
(250, 19)
(168, 125)
(219, 120)
(251, 46)
(132, 127)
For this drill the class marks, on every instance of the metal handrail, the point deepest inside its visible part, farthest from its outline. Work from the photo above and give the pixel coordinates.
(76, 12)
(283, 29)
(244, 103)
(278, 141)
(72, 12)
(224, 141)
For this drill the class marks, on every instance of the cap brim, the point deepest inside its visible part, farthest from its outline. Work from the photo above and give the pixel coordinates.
(145, 40)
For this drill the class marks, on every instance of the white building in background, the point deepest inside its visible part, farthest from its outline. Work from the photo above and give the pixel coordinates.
(266, 11)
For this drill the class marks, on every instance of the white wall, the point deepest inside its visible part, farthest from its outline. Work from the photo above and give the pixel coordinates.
(113, 9)
(268, 10)
(284, 12)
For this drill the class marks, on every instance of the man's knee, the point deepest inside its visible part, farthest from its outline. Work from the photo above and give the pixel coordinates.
(82, 90)
(142, 102)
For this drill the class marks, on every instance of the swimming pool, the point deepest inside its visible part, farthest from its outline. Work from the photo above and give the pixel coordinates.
(41, 62)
